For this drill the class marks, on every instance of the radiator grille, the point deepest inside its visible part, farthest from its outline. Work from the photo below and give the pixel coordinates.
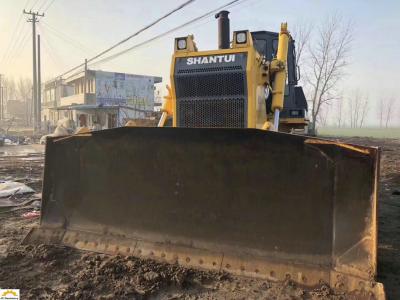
(212, 113)
(210, 85)
(211, 95)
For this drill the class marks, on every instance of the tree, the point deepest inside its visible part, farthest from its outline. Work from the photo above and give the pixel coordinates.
(339, 112)
(10, 89)
(389, 111)
(381, 110)
(323, 116)
(302, 34)
(386, 109)
(24, 89)
(24, 92)
(364, 111)
(327, 62)
(358, 109)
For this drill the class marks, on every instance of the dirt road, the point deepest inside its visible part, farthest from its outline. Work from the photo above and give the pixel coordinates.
(56, 272)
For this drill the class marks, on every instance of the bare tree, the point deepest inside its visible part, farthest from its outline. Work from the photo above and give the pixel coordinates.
(386, 109)
(398, 115)
(389, 111)
(339, 112)
(328, 60)
(9, 88)
(302, 34)
(364, 110)
(24, 92)
(323, 116)
(358, 106)
(381, 110)
(24, 89)
(354, 104)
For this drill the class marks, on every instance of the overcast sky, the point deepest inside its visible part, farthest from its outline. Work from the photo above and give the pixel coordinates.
(74, 29)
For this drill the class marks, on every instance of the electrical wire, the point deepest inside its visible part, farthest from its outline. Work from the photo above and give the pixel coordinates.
(66, 38)
(49, 52)
(18, 39)
(17, 36)
(17, 46)
(48, 6)
(43, 4)
(194, 20)
(230, 4)
(34, 4)
(133, 35)
(14, 37)
(18, 50)
(23, 44)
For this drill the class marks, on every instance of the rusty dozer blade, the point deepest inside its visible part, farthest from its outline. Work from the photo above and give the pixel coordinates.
(249, 202)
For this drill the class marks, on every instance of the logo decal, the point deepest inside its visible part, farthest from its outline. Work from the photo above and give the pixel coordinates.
(9, 294)
(200, 60)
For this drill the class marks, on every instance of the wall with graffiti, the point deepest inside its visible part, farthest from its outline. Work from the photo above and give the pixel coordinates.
(125, 89)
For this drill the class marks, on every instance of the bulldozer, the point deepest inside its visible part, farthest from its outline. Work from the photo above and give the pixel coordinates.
(239, 86)
(224, 182)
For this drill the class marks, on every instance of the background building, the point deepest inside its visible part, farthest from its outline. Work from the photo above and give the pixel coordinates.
(98, 99)
(16, 109)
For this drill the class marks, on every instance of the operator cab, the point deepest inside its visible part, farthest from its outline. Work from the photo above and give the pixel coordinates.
(295, 104)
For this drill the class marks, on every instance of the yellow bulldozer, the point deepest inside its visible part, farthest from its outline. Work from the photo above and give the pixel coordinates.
(226, 186)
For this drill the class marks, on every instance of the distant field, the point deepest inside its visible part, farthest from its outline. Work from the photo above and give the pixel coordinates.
(364, 132)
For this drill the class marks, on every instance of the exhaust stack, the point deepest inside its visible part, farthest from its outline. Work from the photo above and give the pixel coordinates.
(223, 29)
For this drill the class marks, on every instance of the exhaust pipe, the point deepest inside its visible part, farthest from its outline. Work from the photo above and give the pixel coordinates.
(223, 29)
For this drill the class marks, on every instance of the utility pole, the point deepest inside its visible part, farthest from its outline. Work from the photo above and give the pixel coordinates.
(34, 20)
(1, 98)
(4, 99)
(39, 100)
(85, 83)
(1, 104)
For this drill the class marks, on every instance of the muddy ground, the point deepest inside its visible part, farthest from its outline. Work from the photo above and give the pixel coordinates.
(56, 272)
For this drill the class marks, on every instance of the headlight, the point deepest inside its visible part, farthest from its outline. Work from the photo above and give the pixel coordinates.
(181, 44)
(241, 37)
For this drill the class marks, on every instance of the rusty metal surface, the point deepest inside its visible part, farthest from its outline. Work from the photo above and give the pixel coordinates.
(250, 202)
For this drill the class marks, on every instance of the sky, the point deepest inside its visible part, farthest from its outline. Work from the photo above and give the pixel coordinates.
(73, 30)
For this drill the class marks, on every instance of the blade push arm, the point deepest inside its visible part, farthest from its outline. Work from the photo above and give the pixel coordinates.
(278, 69)
(166, 108)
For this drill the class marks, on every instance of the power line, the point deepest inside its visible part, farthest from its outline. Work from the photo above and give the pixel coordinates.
(50, 52)
(18, 45)
(157, 37)
(132, 35)
(26, 3)
(15, 36)
(34, 4)
(144, 28)
(48, 6)
(197, 19)
(41, 6)
(66, 38)
(20, 48)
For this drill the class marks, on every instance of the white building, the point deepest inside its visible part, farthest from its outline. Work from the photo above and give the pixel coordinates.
(100, 99)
